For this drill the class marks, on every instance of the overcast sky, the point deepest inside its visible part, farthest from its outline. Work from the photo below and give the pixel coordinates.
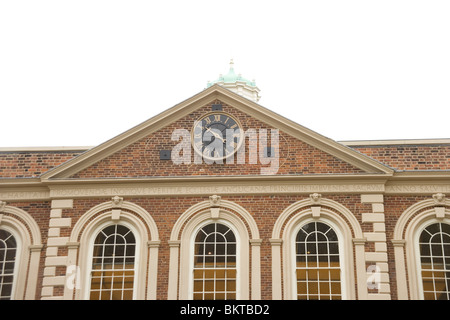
(77, 73)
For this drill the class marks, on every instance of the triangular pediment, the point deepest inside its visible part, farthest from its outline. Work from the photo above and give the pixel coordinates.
(309, 153)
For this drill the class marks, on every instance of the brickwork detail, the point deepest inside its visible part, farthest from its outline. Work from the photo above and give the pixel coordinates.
(31, 164)
(414, 157)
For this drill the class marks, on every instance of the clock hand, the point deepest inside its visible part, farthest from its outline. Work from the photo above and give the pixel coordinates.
(215, 134)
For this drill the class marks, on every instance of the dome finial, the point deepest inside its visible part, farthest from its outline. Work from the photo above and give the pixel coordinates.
(237, 83)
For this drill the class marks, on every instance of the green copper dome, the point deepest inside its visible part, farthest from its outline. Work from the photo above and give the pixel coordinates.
(232, 77)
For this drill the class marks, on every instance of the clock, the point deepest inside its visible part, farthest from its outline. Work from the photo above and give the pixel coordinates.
(217, 135)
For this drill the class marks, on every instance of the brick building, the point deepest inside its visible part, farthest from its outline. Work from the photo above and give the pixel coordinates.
(174, 208)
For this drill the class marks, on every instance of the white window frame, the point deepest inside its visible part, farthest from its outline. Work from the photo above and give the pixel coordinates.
(17, 259)
(346, 249)
(146, 230)
(420, 228)
(89, 259)
(180, 269)
(342, 260)
(405, 247)
(28, 238)
(347, 226)
(192, 254)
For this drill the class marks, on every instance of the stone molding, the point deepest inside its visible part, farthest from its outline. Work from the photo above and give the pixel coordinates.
(401, 183)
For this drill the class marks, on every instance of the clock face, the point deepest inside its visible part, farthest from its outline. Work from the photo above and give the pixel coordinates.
(217, 135)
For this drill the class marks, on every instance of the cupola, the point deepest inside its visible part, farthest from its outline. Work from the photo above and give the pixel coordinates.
(236, 83)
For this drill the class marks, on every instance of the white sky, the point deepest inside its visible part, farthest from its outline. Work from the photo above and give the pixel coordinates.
(77, 73)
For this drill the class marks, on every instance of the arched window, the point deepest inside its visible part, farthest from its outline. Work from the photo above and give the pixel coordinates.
(136, 243)
(318, 268)
(230, 231)
(113, 264)
(8, 249)
(316, 253)
(215, 265)
(434, 246)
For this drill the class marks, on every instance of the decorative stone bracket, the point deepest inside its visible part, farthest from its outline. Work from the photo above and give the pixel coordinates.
(117, 201)
(316, 199)
(214, 201)
(439, 199)
(439, 205)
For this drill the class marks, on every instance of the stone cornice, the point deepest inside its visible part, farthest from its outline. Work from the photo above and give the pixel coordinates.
(9, 182)
(204, 188)
(218, 178)
(421, 175)
(395, 142)
(426, 183)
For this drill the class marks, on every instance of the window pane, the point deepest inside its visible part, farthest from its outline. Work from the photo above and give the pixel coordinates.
(324, 289)
(336, 288)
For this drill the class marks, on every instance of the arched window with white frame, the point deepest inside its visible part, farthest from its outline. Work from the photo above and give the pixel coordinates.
(117, 252)
(8, 252)
(215, 263)
(211, 247)
(113, 267)
(434, 251)
(317, 262)
(421, 242)
(20, 250)
(315, 252)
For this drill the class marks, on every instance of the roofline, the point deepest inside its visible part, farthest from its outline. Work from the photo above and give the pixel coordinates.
(351, 143)
(44, 149)
(346, 142)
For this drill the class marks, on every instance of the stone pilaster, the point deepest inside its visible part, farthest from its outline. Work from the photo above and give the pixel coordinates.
(256, 268)
(53, 259)
(376, 260)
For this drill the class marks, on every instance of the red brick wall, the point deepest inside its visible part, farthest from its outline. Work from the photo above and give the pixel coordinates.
(31, 164)
(418, 157)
